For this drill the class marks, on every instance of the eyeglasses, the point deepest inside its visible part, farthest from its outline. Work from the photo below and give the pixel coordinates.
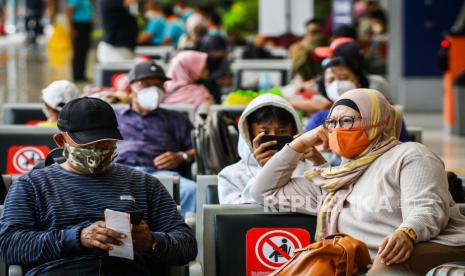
(345, 122)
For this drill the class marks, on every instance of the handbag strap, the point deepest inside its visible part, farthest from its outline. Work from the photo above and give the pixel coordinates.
(349, 248)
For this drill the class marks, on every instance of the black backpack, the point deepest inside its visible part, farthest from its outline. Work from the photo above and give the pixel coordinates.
(3, 191)
(455, 187)
(54, 156)
(215, 142)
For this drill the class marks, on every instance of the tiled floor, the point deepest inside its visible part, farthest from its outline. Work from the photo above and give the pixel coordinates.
(24, 72)
(449, 147)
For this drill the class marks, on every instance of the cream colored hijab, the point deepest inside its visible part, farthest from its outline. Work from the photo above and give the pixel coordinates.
(338, 182)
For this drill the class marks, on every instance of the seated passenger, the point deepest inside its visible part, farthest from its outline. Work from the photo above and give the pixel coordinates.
(156, 140)
(302, 52)
(192, 38)
(265, 115)
(183, 10)
(215, 26)
(313, 27)
(302, 92)
(196, 29)
(339, 76)
(349, 49)
(153, 33)
(391, 195)
(174, 26)
(187, 70)
(54, 97)
(54, 221)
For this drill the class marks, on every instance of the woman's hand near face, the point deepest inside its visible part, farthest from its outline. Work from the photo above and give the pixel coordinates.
(260, 152)
(310, 139)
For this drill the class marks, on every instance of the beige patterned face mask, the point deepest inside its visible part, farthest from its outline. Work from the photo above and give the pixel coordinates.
(89, 161)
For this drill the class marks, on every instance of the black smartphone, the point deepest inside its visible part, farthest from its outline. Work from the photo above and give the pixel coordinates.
(136, 216)
(282, 140)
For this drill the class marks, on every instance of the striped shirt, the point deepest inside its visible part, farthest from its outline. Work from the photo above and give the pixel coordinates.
(45, 208)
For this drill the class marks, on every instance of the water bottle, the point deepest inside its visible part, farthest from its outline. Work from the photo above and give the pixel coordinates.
(264, 82)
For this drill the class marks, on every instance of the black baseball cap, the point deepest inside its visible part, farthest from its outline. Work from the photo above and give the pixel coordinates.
(351, 51)
(89, 120)
(146, 69)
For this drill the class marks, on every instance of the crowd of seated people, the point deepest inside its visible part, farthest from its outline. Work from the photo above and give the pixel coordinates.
(345, 144)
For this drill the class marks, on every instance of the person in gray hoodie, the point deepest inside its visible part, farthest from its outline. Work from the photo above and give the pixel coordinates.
(266, 115)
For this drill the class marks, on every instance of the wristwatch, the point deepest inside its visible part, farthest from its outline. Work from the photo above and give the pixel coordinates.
(185, 156)
(154, 246)
(409, 232)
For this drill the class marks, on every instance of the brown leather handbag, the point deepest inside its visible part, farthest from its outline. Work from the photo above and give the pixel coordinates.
(337, 254)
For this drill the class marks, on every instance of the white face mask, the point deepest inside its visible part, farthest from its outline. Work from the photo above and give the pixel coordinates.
(339, 87)
(150, 15)
(150, 97)
(45, 111)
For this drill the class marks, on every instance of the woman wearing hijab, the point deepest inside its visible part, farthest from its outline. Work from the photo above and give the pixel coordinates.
(187, 70)
(391, 195)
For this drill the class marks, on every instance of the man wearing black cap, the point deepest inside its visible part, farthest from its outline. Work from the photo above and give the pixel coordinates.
(54, 217)
(156, 140)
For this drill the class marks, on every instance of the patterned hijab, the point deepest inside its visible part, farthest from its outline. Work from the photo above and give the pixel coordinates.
(338, 181)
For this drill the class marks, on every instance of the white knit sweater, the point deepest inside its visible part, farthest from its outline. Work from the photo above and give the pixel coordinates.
(406, 186)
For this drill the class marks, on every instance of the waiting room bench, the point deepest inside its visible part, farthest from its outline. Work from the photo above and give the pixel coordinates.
(161, 54)
(247, 71)
(21, 113)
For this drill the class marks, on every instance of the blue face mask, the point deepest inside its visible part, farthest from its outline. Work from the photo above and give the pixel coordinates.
(179, 11)
(185, 15)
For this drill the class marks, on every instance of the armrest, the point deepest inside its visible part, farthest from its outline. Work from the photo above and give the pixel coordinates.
(194, 170)
(15, 270)
(190, 221)
(195, 269)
